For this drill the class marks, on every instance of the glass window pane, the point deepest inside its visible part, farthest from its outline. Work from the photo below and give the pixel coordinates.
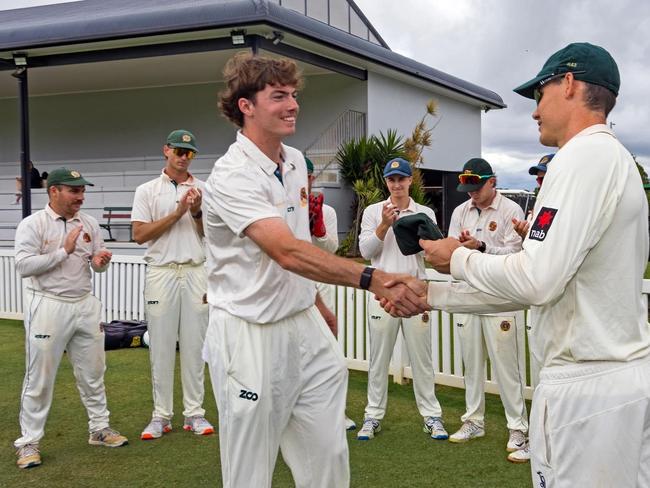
(357, 26)
(317, 9)
(339, 14)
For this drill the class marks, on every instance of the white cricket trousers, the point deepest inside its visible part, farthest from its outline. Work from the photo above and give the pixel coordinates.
(279, 386)
(176, 310)
(503, 339)
(590, 425)
(383, 329)
(54, 325)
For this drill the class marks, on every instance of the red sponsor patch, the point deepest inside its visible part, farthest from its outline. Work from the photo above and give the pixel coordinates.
(542, 224)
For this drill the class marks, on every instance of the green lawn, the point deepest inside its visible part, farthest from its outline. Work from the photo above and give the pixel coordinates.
(401, 455)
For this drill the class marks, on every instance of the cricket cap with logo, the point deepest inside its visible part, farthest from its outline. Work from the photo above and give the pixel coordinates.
(541, 166)
(397, 166)
(182, 138)
(587, 62)
(479, 167)
(68, 177)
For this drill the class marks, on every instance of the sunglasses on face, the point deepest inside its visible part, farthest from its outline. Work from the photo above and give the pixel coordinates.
(181, 151)
(471, 178)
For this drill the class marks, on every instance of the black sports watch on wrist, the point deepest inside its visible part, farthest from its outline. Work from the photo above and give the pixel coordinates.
(482, 246)
(366, 278)
(198, 215)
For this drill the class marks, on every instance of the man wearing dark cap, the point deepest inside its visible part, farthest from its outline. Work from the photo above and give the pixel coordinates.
(377, 243)
(581, 270)
(55, 249)
(539, 170)
(167, 216)
(485, 223)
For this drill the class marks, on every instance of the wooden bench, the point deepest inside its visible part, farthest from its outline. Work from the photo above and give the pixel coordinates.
(117, 213)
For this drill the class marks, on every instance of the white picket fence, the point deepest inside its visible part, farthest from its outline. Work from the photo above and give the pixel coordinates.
(120, 290)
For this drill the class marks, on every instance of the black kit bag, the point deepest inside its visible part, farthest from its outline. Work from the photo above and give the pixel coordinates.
(123, 333)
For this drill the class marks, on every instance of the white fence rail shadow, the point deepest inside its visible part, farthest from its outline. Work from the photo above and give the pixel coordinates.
(121, 287)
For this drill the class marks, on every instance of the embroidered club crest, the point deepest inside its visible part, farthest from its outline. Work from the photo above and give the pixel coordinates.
(492, 226)
(186, 138)
(303, 197)
(86, 237)
(75, 174)
(425, 317)
(505, 326)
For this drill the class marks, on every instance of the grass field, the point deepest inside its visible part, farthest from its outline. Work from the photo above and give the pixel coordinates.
(400, 456)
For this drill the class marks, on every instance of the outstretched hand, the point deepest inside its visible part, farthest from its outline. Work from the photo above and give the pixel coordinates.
(438, 253)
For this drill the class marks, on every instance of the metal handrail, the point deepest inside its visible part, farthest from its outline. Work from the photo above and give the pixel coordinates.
(348, 126)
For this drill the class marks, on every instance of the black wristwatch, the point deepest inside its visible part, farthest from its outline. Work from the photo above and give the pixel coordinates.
(482, 246)
(366, 278)
(198, 215)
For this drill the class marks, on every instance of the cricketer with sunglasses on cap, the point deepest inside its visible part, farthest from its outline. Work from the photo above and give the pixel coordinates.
(167, 216)
(581, 271)
(485, 222)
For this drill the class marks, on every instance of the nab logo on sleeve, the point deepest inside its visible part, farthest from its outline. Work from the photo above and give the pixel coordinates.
(542, 224)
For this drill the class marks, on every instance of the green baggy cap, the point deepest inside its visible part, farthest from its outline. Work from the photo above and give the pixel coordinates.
(68, 177)
(587, 62)
(411, 228)
(182, 138)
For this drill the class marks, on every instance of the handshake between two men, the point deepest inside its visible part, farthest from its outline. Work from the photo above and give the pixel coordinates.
(438, 254)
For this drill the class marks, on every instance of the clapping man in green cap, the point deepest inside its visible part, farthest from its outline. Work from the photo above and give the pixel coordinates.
(167, 216)
(55, 249)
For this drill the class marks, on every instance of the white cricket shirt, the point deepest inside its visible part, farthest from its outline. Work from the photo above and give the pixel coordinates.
(156, 199)
(582, 262)
(40, 255)
(385, 255)
(242, 189)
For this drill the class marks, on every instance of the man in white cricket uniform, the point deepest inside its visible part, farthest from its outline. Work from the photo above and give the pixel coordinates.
(54, 248)
(484, 222)
(167, 216)
(323, 227)
(378, 244)
(581, 270)
(278, 374)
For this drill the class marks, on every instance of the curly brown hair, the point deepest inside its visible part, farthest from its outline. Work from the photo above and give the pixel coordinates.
(246, 74)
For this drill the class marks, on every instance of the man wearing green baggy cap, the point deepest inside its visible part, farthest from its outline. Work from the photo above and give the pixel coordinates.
(54, 248)
(581, 271)
(167, 216)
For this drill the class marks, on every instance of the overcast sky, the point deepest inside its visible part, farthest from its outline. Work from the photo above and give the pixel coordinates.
(499, 44)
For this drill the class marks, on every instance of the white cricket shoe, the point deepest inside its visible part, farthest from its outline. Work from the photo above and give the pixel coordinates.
(516, 441)
(468, 431)
(199, 425)
(156, 428)
(520, 456)
(369, 429)
(350, 424)
(435, 427)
